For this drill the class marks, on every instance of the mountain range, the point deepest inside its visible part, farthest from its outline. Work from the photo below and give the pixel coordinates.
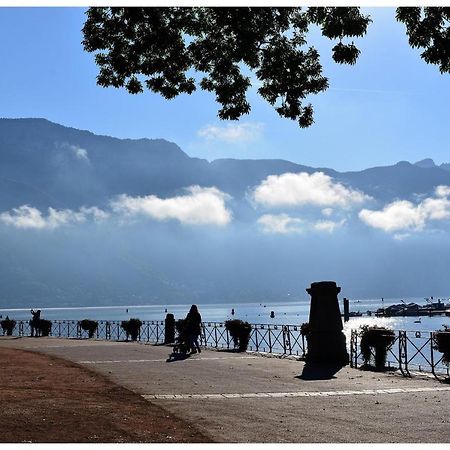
(44, 164)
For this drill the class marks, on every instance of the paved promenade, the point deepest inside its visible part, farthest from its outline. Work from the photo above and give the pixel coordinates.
(249, 398)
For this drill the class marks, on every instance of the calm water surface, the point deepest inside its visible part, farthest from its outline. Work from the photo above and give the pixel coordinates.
(287, 313)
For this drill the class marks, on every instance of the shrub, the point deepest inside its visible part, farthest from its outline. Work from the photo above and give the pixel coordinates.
(8, 326)
(90, 326)
(239, 332)
(378, 339)
(442, 338)
(304, 328)
(45, 326)
(132, 328)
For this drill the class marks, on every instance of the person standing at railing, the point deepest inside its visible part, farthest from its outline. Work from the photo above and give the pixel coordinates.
(35, 321)
(193, 328)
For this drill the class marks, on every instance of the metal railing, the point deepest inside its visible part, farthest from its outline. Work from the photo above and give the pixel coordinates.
(278, 339)
(150, 331)
(411, 352)
(268, 338)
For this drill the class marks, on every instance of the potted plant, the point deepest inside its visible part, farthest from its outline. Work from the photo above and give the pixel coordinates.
(442, 338)
(304, 328)
(239, 332)
(131, 328)
(90, 326)
(378, 340)
(8, 326)
(45, 326)
(304, 331)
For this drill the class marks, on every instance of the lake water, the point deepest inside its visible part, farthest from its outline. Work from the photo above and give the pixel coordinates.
(287, 313)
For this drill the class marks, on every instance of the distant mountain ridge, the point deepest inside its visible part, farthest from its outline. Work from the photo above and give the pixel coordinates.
(428, 163)
(46, 164)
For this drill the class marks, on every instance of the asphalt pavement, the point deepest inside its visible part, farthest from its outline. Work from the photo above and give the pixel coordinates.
(246, 397)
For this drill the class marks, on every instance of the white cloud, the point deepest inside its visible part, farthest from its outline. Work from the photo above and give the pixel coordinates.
(23, 217)
(299, 189)
(76, 151)
(201, 206)
(198, 206)
(327, 212)
(285, 224)
(401, 236)
(280, 224)
(328, 225)
(27, 217)
(97, 214)
(442, 191)
(232, 133)
(399, 215)
(435, 208)
(80, 153)
(403, 215)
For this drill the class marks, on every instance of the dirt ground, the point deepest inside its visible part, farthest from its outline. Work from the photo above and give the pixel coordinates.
(48, 399)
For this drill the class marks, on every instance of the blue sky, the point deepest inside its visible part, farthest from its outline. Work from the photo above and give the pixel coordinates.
(391, 106)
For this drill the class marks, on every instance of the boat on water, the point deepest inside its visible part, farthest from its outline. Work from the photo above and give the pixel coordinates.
(413, 309)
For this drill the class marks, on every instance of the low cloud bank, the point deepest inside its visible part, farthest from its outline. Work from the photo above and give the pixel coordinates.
(27, 217)
(285, 224)
(302, 189)
(280, 224)
(403, 215)
(200, 206)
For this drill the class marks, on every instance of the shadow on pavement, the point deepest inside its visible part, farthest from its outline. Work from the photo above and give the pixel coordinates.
(313, 371)
(178, 357)
(229, 350)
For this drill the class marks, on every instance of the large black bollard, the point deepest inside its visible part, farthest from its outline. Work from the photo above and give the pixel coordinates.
(326, 341)
(169, 331)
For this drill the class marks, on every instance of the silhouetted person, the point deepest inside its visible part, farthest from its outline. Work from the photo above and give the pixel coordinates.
(193, 328)
(35, 321)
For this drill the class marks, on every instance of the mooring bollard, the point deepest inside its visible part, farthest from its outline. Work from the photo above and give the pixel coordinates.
(169, 331)
(326, 341)
(346, 310)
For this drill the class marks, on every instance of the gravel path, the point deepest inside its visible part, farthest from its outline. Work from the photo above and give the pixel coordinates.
(48, 399)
